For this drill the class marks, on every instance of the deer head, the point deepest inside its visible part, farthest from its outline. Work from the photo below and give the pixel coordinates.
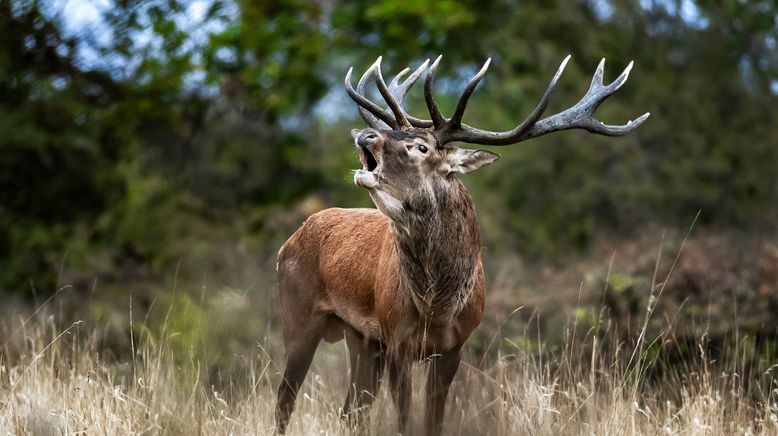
(405, 157)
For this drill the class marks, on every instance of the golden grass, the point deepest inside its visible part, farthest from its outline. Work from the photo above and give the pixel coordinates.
(185, 377)
(56, 381)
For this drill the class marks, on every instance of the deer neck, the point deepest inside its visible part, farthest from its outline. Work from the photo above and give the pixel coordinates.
(438, 245)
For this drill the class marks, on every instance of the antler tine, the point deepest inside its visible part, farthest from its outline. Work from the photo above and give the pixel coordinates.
(598, 88)
(432, 107)
(370, 111)
(400, 90)
(622, 79)
(456, 119)
(598, 75)
(393, 84)
(533, 118)
(399, 114)
(369, 118)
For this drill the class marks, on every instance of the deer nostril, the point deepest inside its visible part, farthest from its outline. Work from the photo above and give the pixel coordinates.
(367, 139)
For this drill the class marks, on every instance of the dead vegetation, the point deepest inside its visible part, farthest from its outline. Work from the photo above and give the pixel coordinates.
(58, 382)
(642, 346)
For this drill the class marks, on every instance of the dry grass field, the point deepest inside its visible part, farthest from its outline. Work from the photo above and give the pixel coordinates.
(63, 377)
(55, 381)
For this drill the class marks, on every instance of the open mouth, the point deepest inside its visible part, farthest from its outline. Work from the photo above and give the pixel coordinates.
(368, 176)
(369, 162)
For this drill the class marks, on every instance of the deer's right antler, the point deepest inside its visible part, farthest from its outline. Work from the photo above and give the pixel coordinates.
(580, 116)
(376, 116)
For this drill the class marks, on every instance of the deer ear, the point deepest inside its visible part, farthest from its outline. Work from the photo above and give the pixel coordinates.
(464, 161)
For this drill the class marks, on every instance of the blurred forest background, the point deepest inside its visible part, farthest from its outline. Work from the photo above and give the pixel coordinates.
(155, 154)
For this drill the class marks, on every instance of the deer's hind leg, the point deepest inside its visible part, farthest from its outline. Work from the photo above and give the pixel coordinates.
(366, 358)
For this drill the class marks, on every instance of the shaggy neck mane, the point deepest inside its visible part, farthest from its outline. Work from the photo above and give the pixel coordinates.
(438, 246)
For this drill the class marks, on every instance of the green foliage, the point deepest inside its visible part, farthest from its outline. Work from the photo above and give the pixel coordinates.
(183, 135)
(586, 316)
(620, 282)
(57, 168)
(209, 328)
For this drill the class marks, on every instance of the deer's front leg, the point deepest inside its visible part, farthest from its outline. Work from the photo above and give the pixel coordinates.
(400, 384)
(441, 373)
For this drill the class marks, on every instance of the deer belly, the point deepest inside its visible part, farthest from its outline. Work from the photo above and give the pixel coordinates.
(359, 313)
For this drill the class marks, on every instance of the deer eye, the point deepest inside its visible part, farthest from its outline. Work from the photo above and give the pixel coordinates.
(423, 148)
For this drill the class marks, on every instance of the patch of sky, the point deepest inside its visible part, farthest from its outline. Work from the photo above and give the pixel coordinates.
(84, 21)
(603, 9)
(59, 83)
(687, 10)
(335, 106)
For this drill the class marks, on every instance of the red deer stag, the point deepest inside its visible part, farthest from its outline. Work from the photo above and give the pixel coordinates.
(404, 282)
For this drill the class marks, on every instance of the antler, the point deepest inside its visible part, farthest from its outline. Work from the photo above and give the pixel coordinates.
(580, 116)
